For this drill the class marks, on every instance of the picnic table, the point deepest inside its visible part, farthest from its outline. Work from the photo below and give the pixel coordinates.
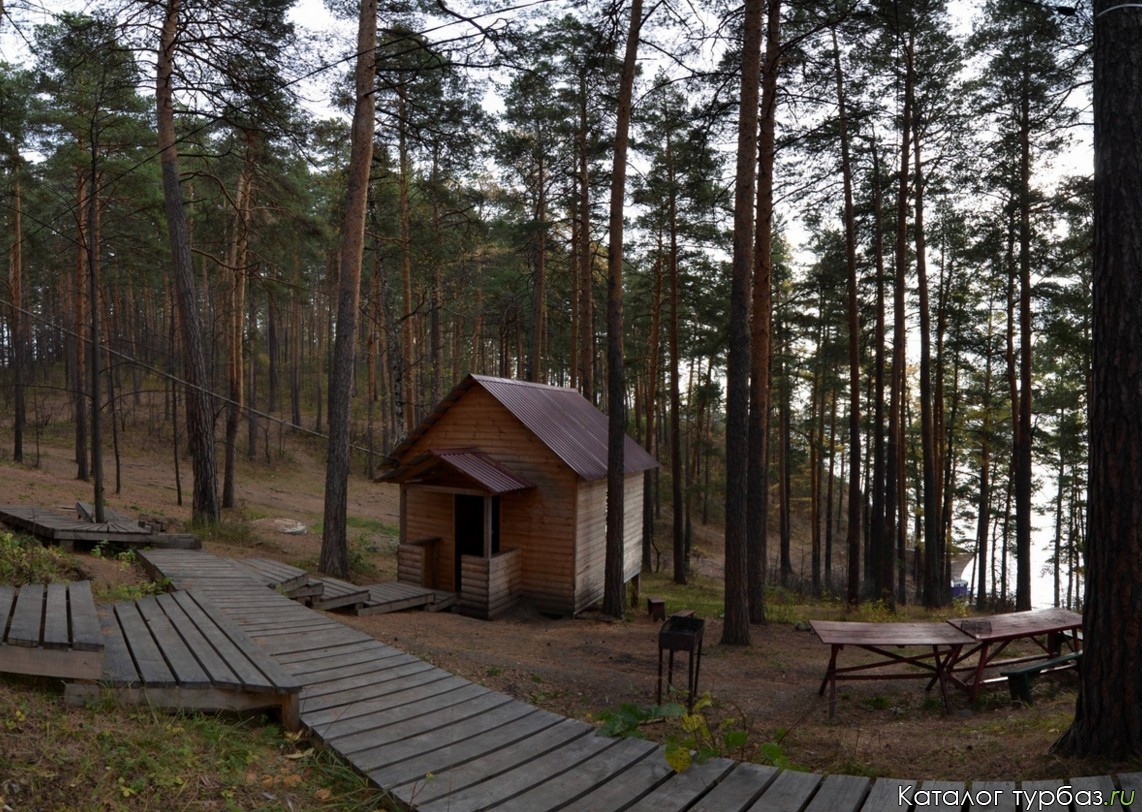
(932, 647)
(1048, 629)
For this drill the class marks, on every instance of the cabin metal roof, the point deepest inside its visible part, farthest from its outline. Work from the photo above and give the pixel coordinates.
(561, 418)
(483, 471)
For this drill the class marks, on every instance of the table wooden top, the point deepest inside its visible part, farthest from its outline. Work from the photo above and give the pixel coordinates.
(1018, 624)
(853, 633)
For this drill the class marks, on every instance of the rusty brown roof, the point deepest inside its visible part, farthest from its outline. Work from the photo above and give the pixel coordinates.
(485, 472)
(561, 418)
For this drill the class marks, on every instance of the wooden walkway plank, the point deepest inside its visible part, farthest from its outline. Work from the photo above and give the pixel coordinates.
(941, 795)
(445, 782)
(790, 791)
(1085, 788)
(997, 796)
(680, 790)
(215, 629)
(218, 671)
(530, 770)
(298, 642)
(885, 795)
(1044, 793)
(85, 632)
(24, 630)
(7, 599)
(301, 659)
(395, 679)
(840, 793)
(397, 762)
(118, 667)
(738, 790)
(621, 790)
(329, 667)
(55, 617)
(145, 652)
(449, 709)
(431, 684)
(181, 661)
(350, 676)
(608, 764)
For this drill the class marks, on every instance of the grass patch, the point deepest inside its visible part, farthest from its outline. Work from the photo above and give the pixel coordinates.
(23, 560)
(130, 758)
(704, 595)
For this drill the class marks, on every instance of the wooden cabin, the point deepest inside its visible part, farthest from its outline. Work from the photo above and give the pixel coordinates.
(503, 492)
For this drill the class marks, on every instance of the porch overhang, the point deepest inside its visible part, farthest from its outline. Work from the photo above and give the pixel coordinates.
(457, 467)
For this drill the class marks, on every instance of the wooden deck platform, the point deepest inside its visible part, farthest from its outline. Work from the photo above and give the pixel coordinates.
(440, 742)
(376, 599)
(177, 651)
(50, 631)
(58, 527)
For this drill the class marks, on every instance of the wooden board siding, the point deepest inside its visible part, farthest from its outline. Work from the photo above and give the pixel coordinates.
(591, 544)
(538, 522)
(490, 586)
(417, 562)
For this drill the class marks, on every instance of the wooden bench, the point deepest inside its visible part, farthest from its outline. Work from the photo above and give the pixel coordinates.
(177, 651)
(1019, 679)
(50, 631)
(656, 608)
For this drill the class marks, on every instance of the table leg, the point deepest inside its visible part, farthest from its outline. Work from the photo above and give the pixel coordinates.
(977, 680)
(830, 671)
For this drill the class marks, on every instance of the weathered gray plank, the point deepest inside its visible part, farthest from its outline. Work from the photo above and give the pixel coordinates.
(886, 795)
(363, 734)
(1131, 784)
(217, 670)
(392, 679)
(789, 792)
(7, 599)
(27, 616)
(118, 667)
(446, 782)
(182, 663)
(530, 770)
(621, 790)
(840, 793)
(1044, 793)
(85, 632)
(942, 796)
(319, 670)
(680, 790)
(993, 796)
(737, 790)
(351, 677)
(1090, 789)
(414, 758)
(144, 651)
(55, 617)
(431, 683)
(612, 763)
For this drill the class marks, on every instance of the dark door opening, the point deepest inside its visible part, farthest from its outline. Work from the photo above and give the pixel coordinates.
(469, 528)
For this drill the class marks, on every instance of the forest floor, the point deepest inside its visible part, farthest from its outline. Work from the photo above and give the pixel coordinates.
(588, 666)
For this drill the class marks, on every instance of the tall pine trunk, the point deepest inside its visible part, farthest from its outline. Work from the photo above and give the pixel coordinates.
(199, 409)
(735, 631)
(613, 603)
(334, 544)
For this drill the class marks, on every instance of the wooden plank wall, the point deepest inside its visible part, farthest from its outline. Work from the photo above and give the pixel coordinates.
(416, 562)
(591, 545)
(539, 522)
(490, 586)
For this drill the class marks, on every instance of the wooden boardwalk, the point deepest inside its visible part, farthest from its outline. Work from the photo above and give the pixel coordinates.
(48, 524)
(178, 651)
(50, 631)
(439, 742)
